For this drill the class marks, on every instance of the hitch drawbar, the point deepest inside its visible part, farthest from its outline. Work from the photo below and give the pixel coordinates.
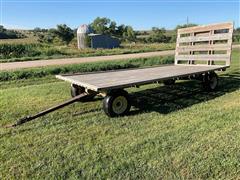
(42, 113)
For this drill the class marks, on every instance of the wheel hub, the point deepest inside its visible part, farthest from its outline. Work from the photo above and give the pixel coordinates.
(213, 82)
(120, 104)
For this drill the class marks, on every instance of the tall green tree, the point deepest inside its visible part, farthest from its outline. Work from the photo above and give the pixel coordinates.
(101, 25)
(107, 26)
(158, 35)
(64, 33)
(120, 30)
(113, 28)
(129, 34)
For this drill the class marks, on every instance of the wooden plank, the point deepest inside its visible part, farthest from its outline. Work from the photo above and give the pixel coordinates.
(221, 57)
(228, 25)
(229, 52)
(223, 36)
(204, 65)
(205, 47)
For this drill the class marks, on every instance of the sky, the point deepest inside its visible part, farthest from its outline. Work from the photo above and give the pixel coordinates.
(140, 14)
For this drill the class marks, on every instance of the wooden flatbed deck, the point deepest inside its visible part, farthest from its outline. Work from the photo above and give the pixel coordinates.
(126, 78)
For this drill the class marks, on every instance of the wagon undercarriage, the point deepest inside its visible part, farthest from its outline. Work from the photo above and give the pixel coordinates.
(117, 101)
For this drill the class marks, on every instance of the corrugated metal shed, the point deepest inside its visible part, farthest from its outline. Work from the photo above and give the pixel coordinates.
(103, 41)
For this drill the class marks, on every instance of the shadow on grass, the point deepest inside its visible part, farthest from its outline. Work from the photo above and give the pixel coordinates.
(167, 99)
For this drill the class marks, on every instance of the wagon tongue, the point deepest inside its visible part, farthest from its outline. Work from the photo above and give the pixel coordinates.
(42, 113)
(20, 121)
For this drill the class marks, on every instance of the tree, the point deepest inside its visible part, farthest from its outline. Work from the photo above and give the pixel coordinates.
(158, 35)
(237, 30)
(129, 34)
(120, 30)
(10, 34)
(236, 35)
(63, 32)
(2, 29)
(37, 29)
(106, 26)
(112, 28)
(101, 25)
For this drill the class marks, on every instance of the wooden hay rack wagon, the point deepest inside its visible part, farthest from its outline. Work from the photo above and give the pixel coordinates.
(200, 51)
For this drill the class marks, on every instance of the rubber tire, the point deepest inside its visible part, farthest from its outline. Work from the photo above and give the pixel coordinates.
(77, 90)
(208, 81)
(108, 103)
(169, 82)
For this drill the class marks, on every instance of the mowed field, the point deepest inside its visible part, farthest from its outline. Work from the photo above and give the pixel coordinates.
(172, 132)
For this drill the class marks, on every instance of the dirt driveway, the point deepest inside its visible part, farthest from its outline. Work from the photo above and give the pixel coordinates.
(42, 63)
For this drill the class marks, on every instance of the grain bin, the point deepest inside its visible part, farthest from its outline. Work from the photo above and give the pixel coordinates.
(82, 35)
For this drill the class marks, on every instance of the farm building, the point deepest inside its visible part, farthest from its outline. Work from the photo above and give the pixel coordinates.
(87, 39)
(103, 41)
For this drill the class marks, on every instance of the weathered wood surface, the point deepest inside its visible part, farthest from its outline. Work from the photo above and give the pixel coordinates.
(208, 43)
(128, 78)
(204, 38)
(210, 27)
(205, 47)
(204, 57)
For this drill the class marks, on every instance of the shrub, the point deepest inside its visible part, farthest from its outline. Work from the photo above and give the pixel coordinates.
(18, 50)
(8, 51)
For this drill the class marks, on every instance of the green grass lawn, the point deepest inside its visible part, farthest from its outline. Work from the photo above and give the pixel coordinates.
(175, 132)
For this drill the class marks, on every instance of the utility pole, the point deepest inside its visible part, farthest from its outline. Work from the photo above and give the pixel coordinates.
(187, 21)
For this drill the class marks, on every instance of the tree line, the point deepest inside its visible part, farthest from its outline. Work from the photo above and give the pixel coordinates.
(10, 34)
(125, 33)
(63, 34)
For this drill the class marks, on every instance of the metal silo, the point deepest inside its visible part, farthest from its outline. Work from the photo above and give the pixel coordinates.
(82, 33)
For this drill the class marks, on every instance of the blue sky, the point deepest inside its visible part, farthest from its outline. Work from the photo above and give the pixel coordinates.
(142, 14)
